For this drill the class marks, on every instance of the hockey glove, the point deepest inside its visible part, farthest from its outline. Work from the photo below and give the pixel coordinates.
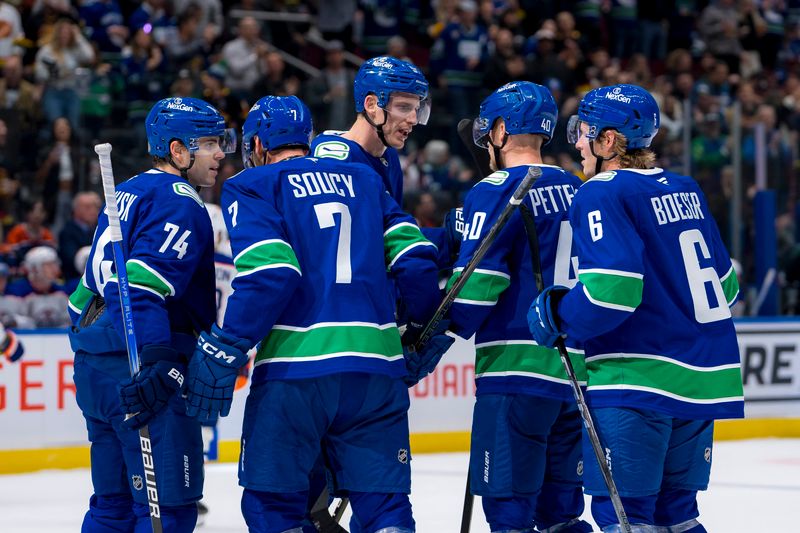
(543, 318)
(151, 389)
(212, 374)
(11, 347)
(454, 228)
(420, 363)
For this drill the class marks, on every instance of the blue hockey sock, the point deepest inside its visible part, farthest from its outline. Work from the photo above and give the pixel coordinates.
(273, 512)
(109, 513)
(515, 513)
(640, 510)
(376, 511)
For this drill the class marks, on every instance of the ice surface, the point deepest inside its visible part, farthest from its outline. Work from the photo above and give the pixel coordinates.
(755, 487)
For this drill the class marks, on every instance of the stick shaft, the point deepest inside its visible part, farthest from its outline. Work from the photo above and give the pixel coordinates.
(109, 191)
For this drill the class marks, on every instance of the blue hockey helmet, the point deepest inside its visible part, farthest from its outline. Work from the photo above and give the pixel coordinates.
(524, 106)
(385, 75)
(278, 121)
(187, 120)
(629, 109)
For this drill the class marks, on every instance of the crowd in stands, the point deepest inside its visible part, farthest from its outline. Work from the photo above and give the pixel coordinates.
(83, 71)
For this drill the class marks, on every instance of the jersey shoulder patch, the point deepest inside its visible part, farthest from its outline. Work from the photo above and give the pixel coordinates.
(496, 178)
(182, 188)
(333, 150)
(603, 176)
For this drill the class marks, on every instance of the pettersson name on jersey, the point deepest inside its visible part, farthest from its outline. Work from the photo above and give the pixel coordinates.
(676, 206)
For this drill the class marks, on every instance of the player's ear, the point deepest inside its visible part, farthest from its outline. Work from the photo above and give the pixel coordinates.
(371, 103)
(177, 150)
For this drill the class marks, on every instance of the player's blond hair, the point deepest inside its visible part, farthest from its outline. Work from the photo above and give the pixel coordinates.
(640, 158)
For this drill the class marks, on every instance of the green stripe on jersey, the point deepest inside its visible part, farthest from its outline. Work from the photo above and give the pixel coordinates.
(143, 276)
(613, 289)
(326, 341)
(483, 287)
(272, 253)
(525, 358)
(80, 296)
(730, 286)
(662, 376)
(401, 238)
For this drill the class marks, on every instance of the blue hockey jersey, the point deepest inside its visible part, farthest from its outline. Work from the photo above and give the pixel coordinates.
(494, 302)
(652, 302)
(169, 251)
(312, 241)
(333, 146)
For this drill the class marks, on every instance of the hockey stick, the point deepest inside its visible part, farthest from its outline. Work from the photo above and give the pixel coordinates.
(321, 517)
(480, 158)
(594, 438)
(109, 191)
(515, 200)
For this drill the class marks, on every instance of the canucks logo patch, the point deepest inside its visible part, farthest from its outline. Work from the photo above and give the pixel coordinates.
(333, 150)
(497, 178)
(604, 176)
(184, 189)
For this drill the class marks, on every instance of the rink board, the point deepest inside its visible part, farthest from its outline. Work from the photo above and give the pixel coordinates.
(43, 427)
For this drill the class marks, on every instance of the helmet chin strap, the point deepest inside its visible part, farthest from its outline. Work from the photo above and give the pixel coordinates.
(599, 159)
(184, 171)
(379, 127)
(498, 157)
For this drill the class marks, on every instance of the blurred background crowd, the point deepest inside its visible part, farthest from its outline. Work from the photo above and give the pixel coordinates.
(726, 74)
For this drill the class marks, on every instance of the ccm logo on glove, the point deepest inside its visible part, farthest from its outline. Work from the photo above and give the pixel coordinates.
(210, 349)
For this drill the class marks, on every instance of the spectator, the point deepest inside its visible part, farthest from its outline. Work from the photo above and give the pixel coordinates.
(57, 175)
(184, 48)
(505, 64)
(9, 184)
(458, 58)
(21, 99)
(279, 81)
(144, 69)
(397, 47)
(12, 308)
(244, 59)
(330, 95)
(152, 16)
(216, 93)
(79, 231)
(184, 85)
(335, 21)
(30, 233)
(56, 66)
(719, 27)
(44, 299)
(104, 24)
(212, 19)
(10, 31)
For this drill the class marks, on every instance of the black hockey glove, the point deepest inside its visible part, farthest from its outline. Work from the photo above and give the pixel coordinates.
(420, 363)
(149, 392)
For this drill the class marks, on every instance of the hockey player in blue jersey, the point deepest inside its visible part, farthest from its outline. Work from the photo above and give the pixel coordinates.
(525, 453)
(312, 240)
(169, 257)
(652, 307)
(391, 97)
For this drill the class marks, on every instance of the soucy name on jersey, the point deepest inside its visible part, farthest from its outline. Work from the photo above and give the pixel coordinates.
(316, 183)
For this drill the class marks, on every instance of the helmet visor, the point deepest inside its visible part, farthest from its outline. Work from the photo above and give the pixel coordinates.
(226, 142)
(480, 131)
(402, 108)
(574, 129)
